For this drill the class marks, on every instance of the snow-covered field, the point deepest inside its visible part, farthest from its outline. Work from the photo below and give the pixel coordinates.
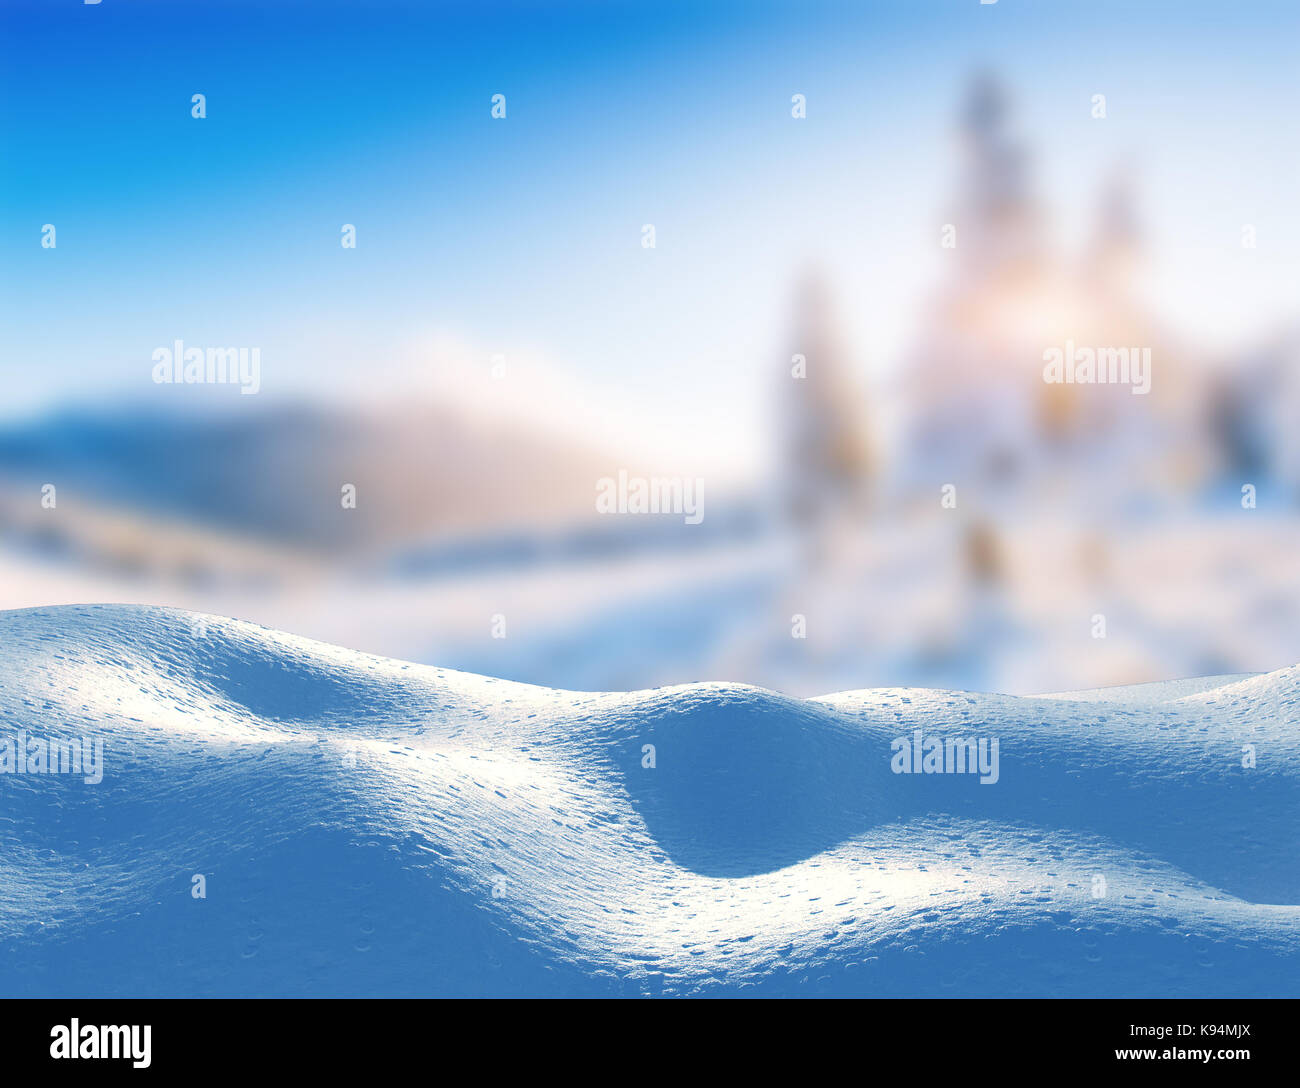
(894, 606)
(364, 826)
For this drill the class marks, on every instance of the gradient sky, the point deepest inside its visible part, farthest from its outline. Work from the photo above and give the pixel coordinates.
(522, 236)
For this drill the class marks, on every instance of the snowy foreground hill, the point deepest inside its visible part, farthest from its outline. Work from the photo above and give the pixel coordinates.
(362, 826)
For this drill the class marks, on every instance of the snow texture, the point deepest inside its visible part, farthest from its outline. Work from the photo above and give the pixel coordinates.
(370, 827)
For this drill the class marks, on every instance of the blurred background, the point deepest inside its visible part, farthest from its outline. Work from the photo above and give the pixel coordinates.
(839, 330)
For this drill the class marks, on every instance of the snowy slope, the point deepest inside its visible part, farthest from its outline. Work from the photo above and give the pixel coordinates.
(370, 827)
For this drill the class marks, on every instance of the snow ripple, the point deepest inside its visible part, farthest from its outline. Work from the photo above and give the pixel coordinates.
(372, 827)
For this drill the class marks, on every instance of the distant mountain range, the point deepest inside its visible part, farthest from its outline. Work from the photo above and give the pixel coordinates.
(275, 476)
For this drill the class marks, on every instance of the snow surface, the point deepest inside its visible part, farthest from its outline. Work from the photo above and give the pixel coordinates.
(371, 827)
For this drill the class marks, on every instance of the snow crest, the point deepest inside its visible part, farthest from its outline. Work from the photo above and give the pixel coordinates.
(282, 817)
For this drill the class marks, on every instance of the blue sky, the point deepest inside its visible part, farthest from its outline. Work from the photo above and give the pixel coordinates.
(522, 236)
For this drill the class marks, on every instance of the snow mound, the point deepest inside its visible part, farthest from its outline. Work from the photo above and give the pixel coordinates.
(362, 826)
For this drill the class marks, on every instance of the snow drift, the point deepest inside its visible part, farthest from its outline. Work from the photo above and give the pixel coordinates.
(362, 826)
